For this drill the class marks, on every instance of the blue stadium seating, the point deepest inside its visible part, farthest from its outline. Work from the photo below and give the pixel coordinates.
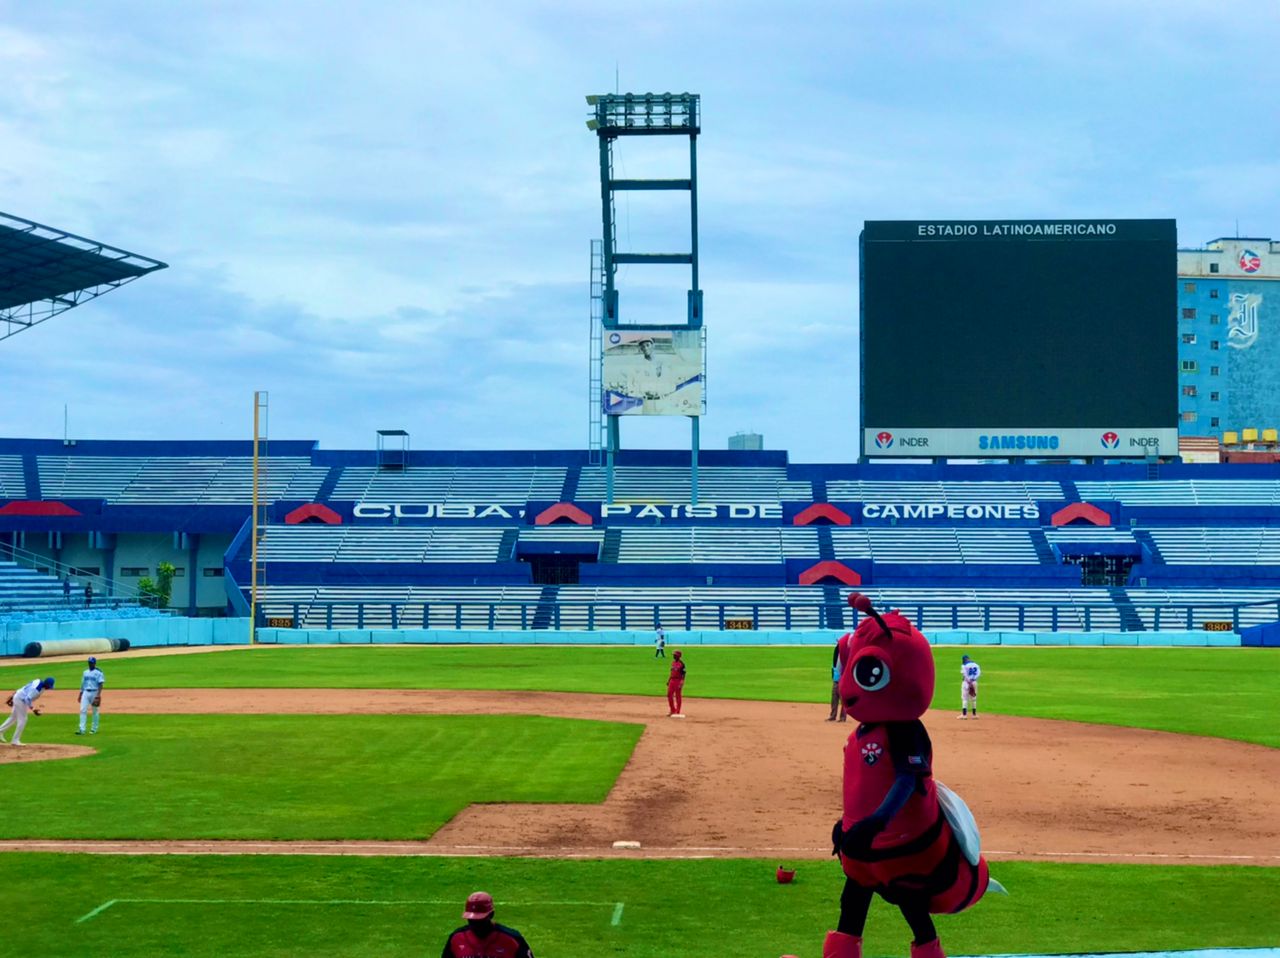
(508, 486)
(452, 540)
(13, 485)
(661, 484)
(190, 480)
(25, 590)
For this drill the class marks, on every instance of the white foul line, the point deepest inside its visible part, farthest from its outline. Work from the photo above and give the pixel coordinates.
(1116, 855)
(97, 911)
(617, 909)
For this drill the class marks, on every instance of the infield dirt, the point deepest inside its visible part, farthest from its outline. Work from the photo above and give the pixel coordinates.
(762, 779)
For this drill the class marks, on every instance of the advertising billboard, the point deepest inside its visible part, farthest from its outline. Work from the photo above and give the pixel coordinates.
(652, 372)
(1019, 338)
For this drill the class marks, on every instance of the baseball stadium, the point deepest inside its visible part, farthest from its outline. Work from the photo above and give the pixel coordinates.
(332, 693)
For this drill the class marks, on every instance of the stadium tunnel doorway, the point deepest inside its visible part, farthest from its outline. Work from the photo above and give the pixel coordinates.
(557, 563)
(1104, 570)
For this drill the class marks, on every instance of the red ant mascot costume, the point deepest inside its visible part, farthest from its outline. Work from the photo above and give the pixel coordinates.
(902, 835)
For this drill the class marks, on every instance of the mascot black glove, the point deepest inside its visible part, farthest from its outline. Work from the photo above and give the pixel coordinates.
(856, 842)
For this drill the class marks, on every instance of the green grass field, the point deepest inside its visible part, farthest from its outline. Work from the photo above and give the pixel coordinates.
(1220, 692)
(304, 776)
(280, 906)
(388, 776)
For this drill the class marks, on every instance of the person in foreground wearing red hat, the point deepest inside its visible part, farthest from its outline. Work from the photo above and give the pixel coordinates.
(675, 685)
(481, 936)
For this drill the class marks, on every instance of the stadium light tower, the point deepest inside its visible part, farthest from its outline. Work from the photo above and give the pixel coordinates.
(657, 369)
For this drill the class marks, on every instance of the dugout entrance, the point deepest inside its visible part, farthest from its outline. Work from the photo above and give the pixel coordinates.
(557, 563)
(1103, 570)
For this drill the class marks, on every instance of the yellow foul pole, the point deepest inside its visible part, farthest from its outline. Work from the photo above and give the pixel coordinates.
(258, 398)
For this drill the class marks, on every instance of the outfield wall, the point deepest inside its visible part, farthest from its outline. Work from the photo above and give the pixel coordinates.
(676, 639)
(177, 630)
(141, 633)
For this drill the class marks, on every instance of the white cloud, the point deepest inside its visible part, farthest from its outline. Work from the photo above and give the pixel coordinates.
(382, 211)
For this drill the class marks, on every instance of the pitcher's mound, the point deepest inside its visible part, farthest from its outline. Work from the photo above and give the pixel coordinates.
(33, 752)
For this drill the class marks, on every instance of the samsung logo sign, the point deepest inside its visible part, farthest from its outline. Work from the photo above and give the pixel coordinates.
(1018, 441)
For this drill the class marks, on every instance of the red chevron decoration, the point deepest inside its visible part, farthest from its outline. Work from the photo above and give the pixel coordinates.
(822, 510)
(562, 510)
(1082, 511)
(313, 510)
(830, 569)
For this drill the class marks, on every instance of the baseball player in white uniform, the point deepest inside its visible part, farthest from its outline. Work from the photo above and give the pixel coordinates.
(90, 697)
(24, 702)
(969, 673)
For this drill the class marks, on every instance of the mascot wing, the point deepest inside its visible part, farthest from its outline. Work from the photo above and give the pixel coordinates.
(965, 828)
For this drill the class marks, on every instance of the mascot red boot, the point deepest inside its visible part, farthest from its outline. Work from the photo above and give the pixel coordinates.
(903, 836)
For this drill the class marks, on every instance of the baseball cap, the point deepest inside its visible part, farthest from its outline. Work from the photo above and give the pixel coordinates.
(676, 653)
(479, 905)
(92, 661)
(47, 683)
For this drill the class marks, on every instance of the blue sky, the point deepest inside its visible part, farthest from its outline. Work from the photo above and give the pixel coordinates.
(381, 212)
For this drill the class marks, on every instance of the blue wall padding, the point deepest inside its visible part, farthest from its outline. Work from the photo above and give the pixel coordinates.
(178, 630)
(711, 637)
(1261, 635)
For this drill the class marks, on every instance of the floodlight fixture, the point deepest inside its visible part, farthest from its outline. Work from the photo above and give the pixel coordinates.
(623, 114)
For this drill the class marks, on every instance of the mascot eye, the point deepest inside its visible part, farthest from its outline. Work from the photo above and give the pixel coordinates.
(870, 673)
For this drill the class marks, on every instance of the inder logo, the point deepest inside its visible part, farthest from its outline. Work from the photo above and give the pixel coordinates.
(884, 439)
(1110, 440)
(1250, 262)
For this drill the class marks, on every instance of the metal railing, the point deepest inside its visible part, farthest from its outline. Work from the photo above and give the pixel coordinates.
(928, 616)
(105, 592)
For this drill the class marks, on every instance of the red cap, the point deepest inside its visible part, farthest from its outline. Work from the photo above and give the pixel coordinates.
(676, 653)
(479, 905)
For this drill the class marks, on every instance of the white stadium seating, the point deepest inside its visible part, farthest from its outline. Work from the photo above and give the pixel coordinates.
(425, 484)
(170, 480)
(944, 493)
(671, 484)
(13, 485)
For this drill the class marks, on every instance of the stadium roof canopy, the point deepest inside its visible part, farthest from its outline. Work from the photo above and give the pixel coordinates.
(46, 271)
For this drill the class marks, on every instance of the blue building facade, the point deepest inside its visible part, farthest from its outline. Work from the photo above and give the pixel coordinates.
(1229, 337)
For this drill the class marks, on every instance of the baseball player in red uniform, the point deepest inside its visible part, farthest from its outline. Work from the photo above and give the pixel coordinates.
(902, 836)
(481, 936)
(675, 684)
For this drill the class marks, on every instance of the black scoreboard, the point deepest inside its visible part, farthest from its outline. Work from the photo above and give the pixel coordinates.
(1019, 338)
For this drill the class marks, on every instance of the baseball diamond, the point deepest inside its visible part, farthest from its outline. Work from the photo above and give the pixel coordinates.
(322, 633)
(1131, 787)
